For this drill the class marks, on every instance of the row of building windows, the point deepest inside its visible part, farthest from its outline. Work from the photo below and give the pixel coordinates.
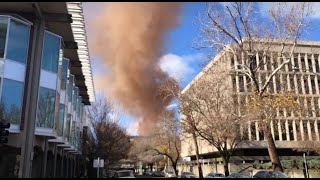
(285, 130)
(300, 83)
(309, 107)
(302, 61)
(14, 44)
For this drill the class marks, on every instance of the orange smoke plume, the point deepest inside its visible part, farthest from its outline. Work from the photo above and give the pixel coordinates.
(129, 39)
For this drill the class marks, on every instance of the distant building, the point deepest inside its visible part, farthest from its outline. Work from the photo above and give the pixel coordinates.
(45, 83)
(288, 131)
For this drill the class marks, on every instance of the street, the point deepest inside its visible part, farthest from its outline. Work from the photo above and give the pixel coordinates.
(145, 176)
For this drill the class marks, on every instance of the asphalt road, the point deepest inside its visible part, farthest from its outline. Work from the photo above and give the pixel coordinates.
(144, 176)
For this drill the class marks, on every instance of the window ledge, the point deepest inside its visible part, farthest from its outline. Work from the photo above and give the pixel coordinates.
(45, 132)
(14, 128)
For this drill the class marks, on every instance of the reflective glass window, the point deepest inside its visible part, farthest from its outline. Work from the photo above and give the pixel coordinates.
(61, 119)
(46, 107)
(11, 100)
(50, 54)
(64, 73)
(18, 42)
(67, 129)
(3, 34)
(70, 87)
(79, 106)
(75, 98)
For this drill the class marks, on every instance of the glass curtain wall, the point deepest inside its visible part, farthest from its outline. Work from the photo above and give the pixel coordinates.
(48, 81)
(63, 99)
(14, 45)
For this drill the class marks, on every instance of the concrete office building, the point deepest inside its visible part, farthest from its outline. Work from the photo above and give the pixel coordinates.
(46, 82)
(301, 76)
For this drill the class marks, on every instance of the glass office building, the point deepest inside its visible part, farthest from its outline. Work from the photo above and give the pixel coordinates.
(45, 83)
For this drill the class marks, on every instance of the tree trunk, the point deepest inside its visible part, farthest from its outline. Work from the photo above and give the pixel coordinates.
(174, 166)
(197, 155)
(272, 150)
(151, 167)
(225, 166)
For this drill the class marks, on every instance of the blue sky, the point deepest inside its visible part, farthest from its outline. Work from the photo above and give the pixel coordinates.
(179, 58)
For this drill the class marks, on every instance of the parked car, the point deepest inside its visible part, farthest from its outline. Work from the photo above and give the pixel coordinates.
(158, 174)
(110, 173)
(147, 173)
(187, 175)
(238, 175)
(270, 174)
(170, 174)
(214, 175)
(124, 174)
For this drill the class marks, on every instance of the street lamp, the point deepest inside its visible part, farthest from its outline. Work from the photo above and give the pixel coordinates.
(305, 165)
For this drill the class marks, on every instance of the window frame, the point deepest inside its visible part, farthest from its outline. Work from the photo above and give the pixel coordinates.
(61, 39)
(10, 18)
(21, 100)
(25, 22)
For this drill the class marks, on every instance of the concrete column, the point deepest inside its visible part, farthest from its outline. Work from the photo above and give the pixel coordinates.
(309, 130)
(32, 88)
(287, 130)
(280, 129)
(294, 130)
(309, 85)
(316, 129)
(55, 160)
(301, 130)
(257, 131)
(316, 84)
(75, 165)
(249, 131)
(61, 169)
(67, 165)
(272, 129)
(45, 158)
(295, 80)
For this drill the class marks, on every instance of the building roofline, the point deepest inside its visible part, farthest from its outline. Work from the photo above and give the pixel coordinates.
(200, 74)
(269, 41)
(80, 36)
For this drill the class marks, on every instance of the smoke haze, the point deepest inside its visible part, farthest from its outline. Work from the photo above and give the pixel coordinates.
(129, 38)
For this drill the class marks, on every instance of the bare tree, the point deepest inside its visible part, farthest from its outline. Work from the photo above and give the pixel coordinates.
(237, 30)
(140, 151)
(211, 112)
(187, 129)
(166, 141)
(110, 141)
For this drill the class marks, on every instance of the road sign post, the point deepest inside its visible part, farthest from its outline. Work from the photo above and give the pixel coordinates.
(98, 163)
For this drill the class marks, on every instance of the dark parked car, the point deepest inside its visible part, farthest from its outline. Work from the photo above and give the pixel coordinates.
(215, 175)
(270, 174)
(147, 173)
(158, 174)
(187, 175)
(238, 175)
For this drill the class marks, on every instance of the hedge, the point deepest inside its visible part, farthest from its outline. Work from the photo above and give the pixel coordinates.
(289, 164)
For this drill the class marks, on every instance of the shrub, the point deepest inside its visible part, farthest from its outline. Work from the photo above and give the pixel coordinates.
(288, 164)
(314, 163)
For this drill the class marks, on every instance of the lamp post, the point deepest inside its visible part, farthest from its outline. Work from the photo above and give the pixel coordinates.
(305, 165)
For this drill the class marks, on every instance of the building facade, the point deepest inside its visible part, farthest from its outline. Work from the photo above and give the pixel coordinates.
(46, 82)
(288, 129)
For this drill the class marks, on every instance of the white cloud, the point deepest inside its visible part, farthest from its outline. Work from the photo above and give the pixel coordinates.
(132, 128)
(179, 67)
(266, 6)
(172, 106)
